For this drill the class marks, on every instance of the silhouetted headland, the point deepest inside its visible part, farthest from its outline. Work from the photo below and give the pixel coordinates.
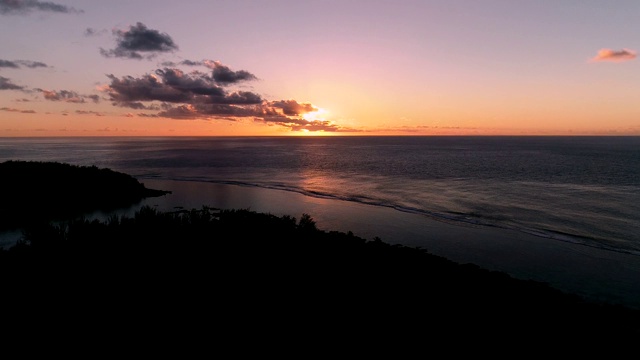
(35, 191)
(240, 270)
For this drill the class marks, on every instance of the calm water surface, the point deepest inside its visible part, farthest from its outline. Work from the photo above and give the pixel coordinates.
(578, 189)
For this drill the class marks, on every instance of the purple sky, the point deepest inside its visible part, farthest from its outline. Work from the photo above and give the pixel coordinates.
(143, 68)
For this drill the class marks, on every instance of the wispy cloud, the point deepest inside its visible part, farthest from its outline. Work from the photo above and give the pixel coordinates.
(15, 7)
(304, 125)
(614, 55)
(67, 96)
(17, 110)
(183, 62)
(132, 43)
(93, 32)
(8, 64)
(85, 112)
(16, 64)
(6, 84)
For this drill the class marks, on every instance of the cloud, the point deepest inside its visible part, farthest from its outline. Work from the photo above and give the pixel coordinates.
(168, 85)
(192, 95)
(84, 112)
(292, 107)
(222, 74)
(139, 39)
(8, 64)
(174, 86)
(11, 7)
(6, 84)
(303, 125)
(175, 94)
(93, 32)
(137, 105)
(67, 96)
(614, 56)
(94, 98)
(15, 64)
(183, 62)
(32, 64)
(128, 90)
(195, 83)
(215, 111)
(18, 110)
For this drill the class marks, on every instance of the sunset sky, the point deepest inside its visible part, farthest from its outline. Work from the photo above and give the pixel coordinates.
(291, 67)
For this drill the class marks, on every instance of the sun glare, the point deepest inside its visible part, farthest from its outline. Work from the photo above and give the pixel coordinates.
(315, 115)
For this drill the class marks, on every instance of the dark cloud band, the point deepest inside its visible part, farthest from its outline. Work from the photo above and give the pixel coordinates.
(18, 110)
(11, 7)
(16, 64)
(222, 74)
(196, 95)
(6, 84)
(174, 86)
(67, 96)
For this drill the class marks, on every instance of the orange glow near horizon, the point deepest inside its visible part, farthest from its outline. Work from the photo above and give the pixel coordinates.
(125, 71)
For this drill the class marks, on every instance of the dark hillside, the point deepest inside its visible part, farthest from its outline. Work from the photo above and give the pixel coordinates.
(247, 275)
(240, 267)
(35, 191)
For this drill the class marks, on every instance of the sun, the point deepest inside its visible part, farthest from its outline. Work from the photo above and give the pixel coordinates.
(315, 115)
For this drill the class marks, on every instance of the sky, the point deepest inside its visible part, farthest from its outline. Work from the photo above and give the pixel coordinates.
(323, 67)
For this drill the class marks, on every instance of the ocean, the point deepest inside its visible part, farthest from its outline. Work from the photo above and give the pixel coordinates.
(560, 210)
(583, 190)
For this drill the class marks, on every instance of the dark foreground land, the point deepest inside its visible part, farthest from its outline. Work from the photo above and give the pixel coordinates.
(253, 275)
(32, 191)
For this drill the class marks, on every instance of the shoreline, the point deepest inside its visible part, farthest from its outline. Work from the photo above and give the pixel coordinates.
(548, 234)
(595, 274)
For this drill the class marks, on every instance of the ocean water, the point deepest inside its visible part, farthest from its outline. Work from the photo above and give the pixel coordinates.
(583, 190)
